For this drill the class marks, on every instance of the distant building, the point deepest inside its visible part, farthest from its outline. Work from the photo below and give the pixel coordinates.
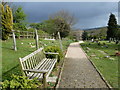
(77, 34)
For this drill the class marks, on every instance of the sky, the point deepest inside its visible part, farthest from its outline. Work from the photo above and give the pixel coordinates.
(88, 14)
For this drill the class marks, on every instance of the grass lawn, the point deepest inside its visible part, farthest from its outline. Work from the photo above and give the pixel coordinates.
(108, 66)
(10, 58)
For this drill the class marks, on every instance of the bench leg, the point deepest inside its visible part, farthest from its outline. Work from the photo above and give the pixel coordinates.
(44, 80)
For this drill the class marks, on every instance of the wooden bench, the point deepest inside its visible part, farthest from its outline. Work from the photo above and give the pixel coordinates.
(37, 65)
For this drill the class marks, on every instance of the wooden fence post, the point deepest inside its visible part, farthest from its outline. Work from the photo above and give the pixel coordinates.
(33, 35)
(53, 36)
(61, 47)
(36, 36)
(27, 34)
(14, 41)
(19, 34)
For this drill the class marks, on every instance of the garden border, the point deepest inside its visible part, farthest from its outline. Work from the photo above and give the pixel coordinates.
(60, 74)
(106, 82)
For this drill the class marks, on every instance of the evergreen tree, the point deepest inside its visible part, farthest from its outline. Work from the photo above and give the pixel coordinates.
(85, 35)
(112, 27)
(118, 34)
(6, 21)
(18, 17)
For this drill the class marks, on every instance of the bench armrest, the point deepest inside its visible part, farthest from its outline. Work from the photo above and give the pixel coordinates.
(36, 71)
(51, 53)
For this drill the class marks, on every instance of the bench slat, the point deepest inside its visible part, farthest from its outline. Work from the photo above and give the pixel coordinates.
(51, 68)
(36, 71)
(39, 67)
(49, 64)
(32, 54)
(45, 65)
(42, 66)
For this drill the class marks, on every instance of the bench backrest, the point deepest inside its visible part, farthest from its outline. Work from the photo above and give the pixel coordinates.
(32, 60)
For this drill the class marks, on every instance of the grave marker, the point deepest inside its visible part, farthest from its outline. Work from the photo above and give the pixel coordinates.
(14, 41)
(36, 36)
(61, 47)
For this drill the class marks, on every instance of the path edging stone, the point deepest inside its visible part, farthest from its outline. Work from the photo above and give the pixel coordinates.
(59, 78)
(108, 85)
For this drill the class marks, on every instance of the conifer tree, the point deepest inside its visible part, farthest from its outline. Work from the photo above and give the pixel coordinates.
(6, 21)
(85, 35)
(112, 27)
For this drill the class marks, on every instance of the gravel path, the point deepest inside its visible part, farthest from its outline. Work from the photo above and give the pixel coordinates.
(78, 72)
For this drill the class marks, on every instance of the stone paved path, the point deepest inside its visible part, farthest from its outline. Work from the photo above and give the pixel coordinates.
(78, 72)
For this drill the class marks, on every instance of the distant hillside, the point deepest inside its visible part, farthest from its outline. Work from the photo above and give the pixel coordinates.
(100, 31)
(77, 34)
(95, 28)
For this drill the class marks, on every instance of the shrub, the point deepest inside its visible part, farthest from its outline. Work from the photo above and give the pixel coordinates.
(55, 49)
(18, 82)
(17, 35)
(4, 36)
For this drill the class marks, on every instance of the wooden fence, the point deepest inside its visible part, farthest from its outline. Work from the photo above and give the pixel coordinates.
(27, 34)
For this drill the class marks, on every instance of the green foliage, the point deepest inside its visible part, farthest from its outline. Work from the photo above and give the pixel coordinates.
(40, 32)
(6, 21)
(112, 27)
(31, 30)
(97, 33)
(118, 34)
(56, 25)
(18, 17)
(103, 37)
(4, 35)
(20, 26)
(62, 27)
(85, 35)
(36, 25)
(55, 49)
(50, 26)
(18, 82)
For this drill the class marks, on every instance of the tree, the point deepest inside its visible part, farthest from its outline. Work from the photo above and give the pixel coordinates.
(62, 27)
(85, 35)
(57, 25)
(67, 16)
(35, 25)
(118, 34)
(6, 21)
(50, 26)
(18, 17)
(112, 27)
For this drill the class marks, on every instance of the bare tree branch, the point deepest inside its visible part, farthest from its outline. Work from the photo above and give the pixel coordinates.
(68, 17)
